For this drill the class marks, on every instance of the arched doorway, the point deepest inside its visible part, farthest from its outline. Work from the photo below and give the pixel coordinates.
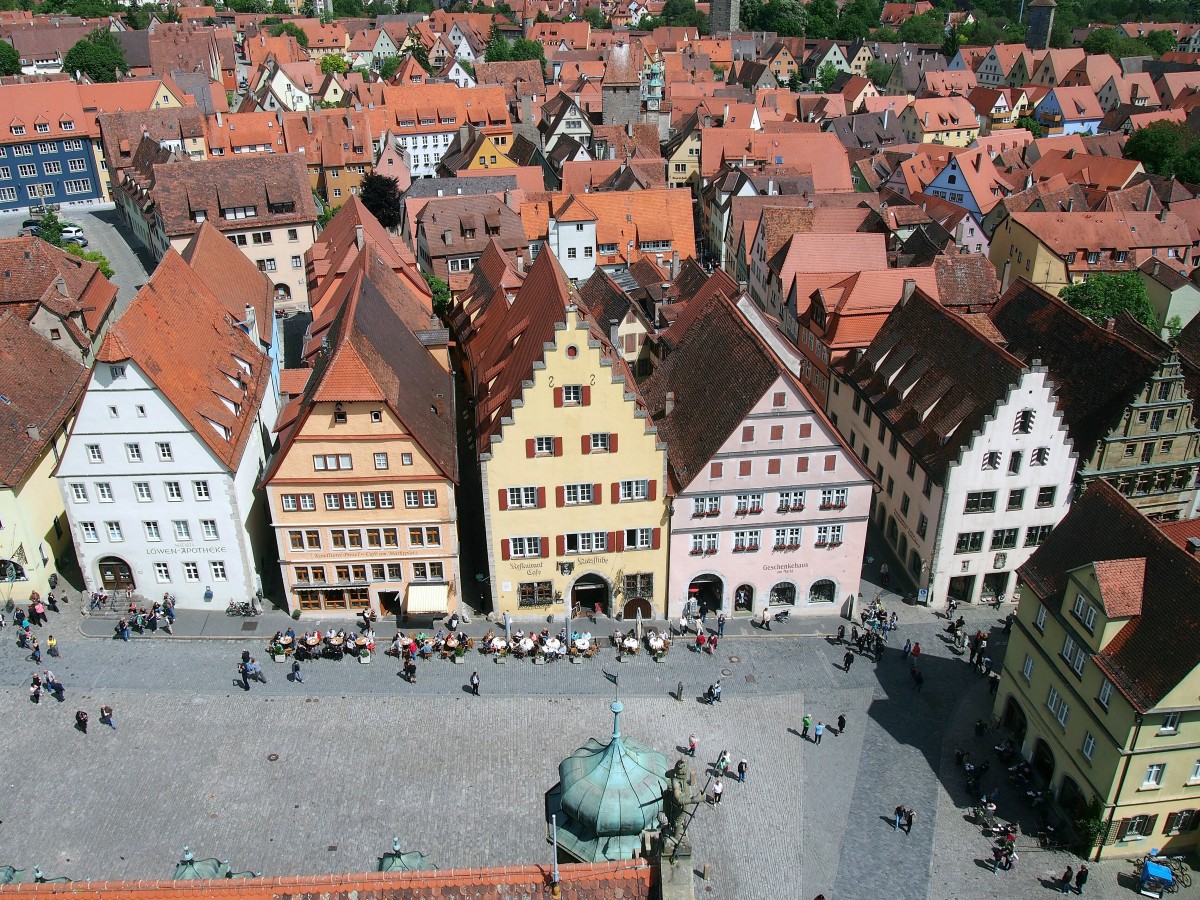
(706, 594)
(1014, 720)
(115, 575)
(823, 591)
(589, 592)
(1043, 760)
(743, 598)
(902, 547)
(783, 594)
(635, 605)
(11, 570)
(1071, 798)
(283, 293)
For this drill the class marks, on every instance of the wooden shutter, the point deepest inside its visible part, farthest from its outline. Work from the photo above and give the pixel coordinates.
(560, 544)
(612, 442)
(558, 446)
(1150, 822)
(747, 434)
(585, 444)
(1172, 822)
(1193, 821)
(652, 490)
(503, 492)
(560, 496)
(597, 494)
(585, 395)
(1122, 830)
(504, 551)
(541, 498)
(806, 430)
(801, 463)
(655, 538)
(830, 462)
(773, 466)
(778, 399)
(558, 397)
(616, 492)
(777, 432)
(716, 470)
(618, 540)
(545, 547)
(744, 468)
(530, 448)
(612, 541)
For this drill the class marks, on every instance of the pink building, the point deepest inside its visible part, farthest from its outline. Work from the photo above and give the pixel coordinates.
(769, 506)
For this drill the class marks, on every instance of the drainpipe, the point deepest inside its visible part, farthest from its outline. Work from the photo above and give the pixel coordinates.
(1112, 813)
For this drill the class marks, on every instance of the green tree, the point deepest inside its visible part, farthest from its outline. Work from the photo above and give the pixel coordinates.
(137, 18)
(796, 82)
(879, 72)
(1159, 146)
(333, 63)
(52, 228)
(293, 29)
(826, 76)
(885, 35)
(417, 50)
(380, 194)
(950, 44)
(1106, 294)
(95, 256)
(821, 18)
(441, 293)
(99, 56)
(499, 48)
(1161, 42)
(389, 67)
(1102, 40)
(281, 8)
(595, 17)
(1032, 126)
(524, 48)
(10, 59)
(789, 18)
(926, 28)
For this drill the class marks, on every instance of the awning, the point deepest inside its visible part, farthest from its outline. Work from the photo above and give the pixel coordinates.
(424, 599)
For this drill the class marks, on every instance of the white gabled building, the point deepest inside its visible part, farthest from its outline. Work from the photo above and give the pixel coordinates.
(159, 475)
(970, 454)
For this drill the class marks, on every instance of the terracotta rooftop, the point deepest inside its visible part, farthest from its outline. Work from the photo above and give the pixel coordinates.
(233, 279)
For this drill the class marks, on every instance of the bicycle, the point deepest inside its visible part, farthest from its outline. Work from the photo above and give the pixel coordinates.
(241, 608)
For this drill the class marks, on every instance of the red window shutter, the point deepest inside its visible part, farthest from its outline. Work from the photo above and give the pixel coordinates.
(560, 496)
(656, 539)
(744, 468)
(585, 444)
(612, 541)
(612, 442)
(530, 444)
(1122, 830)
(806, 430)
(772, 466)
(1150, 824)
(541, 498)
(558, 446)
(830, 462)
(597, 494)
(560, 544)
(652, 490)
(618, 540)
(716, 470)
(586, 396)
(503, 493)
(747, 433)
(558, 397)
(801, 463)
(779, 398)
(616, 492)
(777, 432)
(504, 551)
(545, 548)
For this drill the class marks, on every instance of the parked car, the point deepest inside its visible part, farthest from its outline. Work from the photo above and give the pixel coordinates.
(32, 230)
(31, 223)
(72, 231)
(75, 239)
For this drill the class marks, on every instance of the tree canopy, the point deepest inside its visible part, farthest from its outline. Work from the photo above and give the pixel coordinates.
(826, 76)
(380, 194)
(927, 28)
(441, 293)
(390, 66)
(1105, 295)
(879, 72)
(1117, 45)
(333, 63)
(1166, 148)
(99, 55)
(10, 59)
(294, 30)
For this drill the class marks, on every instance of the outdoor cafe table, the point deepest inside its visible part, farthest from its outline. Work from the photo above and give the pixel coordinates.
(285, 641)
(553, 645)
(311, 641)
(451, 643)
(360, 642)
(526, 645)
(336, 641)
(498, 644)
(656, 643)
(631, 643)
(583, 644)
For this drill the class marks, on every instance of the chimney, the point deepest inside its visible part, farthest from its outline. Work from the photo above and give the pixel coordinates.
(1070, 204)
(1155, 272)
(629, 129)
(1193, 544)
(1028, 182)
(34, 432)
(725, 118)
(218, 118)
(670, 408)
(1162, 214)
(520, 264)
(885, 118)
(308, 121)
(358, 236)
(770, 187)
(674, 264)
(464, 136)
(613, 324)
(926, 122)
(910, 285)
(1110, 325)
(1007, 274)
(1149, 195)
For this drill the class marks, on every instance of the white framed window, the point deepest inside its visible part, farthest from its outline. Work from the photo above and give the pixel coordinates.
(791, 501)
(749, 503)
(1169, 724)
(829, 534)
(1068, 650)
(586, 542)
(217, 567)
(151, 531)
(599, 442)
(412, 499)
(191, 571)
(706, 542)
(93, 453)
(1064, 713)
(381, 460)
(637, 489)
(174, 492)
(746, 541)
(104, 492)
(1053, 699)
(1089, 746)
(308, 502)
(525, 547)
(332, 462)
(90, 534)
(1195, 773)
(1154, 775)
(288, 502)
(543, 445)
(573, 394)
(1105, 695)
(1040, 619)
(350, 500)
(208, 528)
(164, 451)
(520, 497)
(834, 498)
(200, 488)
(79, 492)
(182, 531)
(142, 490)
(406, 459)
(639, 538)
(574, 494)
(706, 506)
(787, 538)
(133, 452)
(333, 501)
(1027, 668)
(114, 531)
(162, 572)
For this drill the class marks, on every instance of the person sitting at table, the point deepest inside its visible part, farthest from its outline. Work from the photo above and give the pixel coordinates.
(519, 634)
(490, 636)
(369, 634)
(318, 636)
(394, 650)
(290, 634)
(275, 639)
(618, 637)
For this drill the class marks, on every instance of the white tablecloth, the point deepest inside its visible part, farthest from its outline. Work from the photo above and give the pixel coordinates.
(583, 644)
(553, 645)
(526, 645)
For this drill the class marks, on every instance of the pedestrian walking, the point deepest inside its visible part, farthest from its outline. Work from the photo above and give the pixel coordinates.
(841, 634)
(766, 619)
(712, 645)
(841, 723)
(35, 689)
(683, 619)
(721, 625)
(916, 652)
(475, 683)
(296, 676)
(806, 723)
(853, 633)
(106, 717)
(907, 647)
(818, 732)
(847, 660)
(741, 770)
(718, 790)
(885, 574)
(1081, 878)
(244, 671)
(917, 678)
(693, 743)
(997, 859)
(52, 646)
(908, 820)
(1067, 877)
(36, 655)
(81, 720)
(245, 656)
(898, 816)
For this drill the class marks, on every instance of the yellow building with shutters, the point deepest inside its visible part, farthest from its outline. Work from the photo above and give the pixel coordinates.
(573, 472)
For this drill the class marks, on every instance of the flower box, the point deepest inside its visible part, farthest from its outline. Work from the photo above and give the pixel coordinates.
(740, 512)
(835, 543)
(826, 506)
(755, 510)
(793, 546)
(799, 508)
(784, 508)
(696, 553)
(710, 552)
(821, 544)
(839, 506)
(753, 548)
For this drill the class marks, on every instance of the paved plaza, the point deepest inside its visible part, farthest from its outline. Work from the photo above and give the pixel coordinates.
(317, 777)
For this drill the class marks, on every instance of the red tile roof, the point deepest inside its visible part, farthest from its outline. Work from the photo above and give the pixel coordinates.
(1121, 582)
(233, 279)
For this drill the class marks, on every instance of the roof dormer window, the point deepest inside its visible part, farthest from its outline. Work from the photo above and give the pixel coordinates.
(66, 125)
(42, 127)
(18, 130)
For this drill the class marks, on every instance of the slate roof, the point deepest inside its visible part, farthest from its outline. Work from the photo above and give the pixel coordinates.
(933, 400)
(712, 397)
(458, 215)
(966, 280)
(1096, 372)
(448, 187)
(1146, 659)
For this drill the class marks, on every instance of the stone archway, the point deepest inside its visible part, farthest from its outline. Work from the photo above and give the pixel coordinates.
(1042, 761)
(1015, 721)
(706, 594)
(823, 591)
(590, 591)
(743, 598)
(116, 575)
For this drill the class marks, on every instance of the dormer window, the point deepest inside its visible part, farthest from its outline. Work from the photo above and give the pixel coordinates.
(41, 127)
(18, 130)
(66, 125)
